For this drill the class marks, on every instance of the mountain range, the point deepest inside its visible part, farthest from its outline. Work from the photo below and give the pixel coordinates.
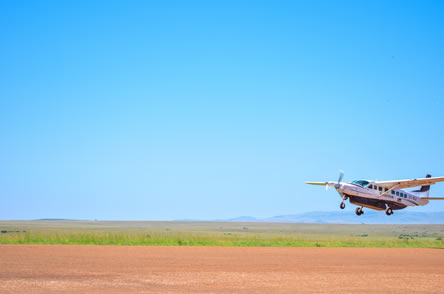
(349, 217)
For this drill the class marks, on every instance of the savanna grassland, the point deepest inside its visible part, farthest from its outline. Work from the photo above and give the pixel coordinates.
(219, 234)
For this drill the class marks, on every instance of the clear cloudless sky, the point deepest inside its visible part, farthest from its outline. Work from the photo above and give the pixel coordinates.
(163, 110)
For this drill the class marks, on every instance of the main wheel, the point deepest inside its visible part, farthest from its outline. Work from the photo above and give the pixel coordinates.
(342, 206)
(389, 211)
(358, 211)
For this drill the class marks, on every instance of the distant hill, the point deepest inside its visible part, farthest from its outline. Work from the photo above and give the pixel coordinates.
(244, 219)
(349, 217)
(55, 219)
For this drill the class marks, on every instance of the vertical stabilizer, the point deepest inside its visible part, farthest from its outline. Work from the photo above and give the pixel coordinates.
(424, 191)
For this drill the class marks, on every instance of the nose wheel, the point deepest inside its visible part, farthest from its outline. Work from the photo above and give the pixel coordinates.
(344, 197)
(359, 211)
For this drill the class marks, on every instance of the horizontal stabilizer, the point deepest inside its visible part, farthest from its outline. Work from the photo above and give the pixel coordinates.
(317, 183)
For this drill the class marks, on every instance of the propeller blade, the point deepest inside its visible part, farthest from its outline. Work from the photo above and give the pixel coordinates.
(341, 175)
(317, 183)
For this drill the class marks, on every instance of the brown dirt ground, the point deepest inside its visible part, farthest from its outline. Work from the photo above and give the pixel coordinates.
(126, 269)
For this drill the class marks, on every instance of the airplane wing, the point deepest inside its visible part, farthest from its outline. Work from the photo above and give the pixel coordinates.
(402, 184)
(433, 198)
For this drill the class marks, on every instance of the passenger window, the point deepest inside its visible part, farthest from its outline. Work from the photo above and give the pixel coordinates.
(393, 192)
(397, 193)
(374, 187)
(380, 189)
(371, 186)
(385, 190)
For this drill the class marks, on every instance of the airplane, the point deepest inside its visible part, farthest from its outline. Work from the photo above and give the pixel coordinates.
(383, 195)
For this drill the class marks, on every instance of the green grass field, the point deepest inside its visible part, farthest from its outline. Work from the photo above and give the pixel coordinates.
(220, 234)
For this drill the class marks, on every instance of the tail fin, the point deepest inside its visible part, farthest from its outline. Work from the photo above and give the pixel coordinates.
(424, 189)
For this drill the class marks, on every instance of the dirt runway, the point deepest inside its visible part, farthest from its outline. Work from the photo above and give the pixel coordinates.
(133, 269)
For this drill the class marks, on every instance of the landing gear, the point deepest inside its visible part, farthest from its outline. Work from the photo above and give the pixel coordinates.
(388, 210)
(359, 211)
(344, 197)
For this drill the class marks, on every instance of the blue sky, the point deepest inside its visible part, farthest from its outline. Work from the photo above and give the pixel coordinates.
(204, 109)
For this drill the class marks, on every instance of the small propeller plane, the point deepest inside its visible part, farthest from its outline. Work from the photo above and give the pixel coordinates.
(383, 195)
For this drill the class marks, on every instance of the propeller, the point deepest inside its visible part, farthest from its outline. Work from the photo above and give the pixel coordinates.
(327, 184)
(337, 186)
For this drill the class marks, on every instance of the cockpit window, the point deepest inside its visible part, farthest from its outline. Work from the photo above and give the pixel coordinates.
(361, 183)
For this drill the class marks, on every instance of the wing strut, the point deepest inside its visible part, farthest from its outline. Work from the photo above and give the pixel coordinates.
(388, 191)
